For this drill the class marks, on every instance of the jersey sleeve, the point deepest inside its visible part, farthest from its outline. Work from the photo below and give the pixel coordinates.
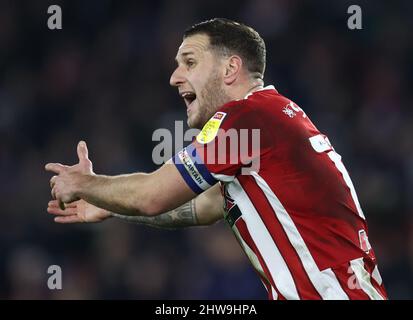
(231, 143)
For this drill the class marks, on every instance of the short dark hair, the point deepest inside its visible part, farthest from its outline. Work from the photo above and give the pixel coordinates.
(232, 37)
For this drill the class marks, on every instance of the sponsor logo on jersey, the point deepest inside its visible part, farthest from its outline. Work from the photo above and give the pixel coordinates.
(364, 241)
(218, 115)
(210, 129)
(289, 112)
(320, 143)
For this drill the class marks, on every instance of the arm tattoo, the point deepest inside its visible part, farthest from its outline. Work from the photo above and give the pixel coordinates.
(183, 216)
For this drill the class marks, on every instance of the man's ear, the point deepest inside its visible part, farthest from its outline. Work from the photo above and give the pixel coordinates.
(233, 69)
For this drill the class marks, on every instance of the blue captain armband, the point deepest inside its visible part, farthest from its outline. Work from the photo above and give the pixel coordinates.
(193, 170)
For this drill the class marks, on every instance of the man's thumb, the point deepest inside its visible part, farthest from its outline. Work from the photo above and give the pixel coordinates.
(82, 151)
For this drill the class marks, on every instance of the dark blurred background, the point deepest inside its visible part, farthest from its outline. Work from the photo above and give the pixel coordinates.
(104, 78)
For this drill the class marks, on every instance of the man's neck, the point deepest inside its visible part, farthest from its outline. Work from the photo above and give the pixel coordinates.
(255, 87)
(249, 88)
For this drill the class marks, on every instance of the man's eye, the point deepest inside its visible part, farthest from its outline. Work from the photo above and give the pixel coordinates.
(190, 63)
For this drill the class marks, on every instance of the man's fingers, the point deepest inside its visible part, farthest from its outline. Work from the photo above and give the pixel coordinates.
(67, 219)
(53, 181)
(82, 151)
(55, 167)
(59, 212)
(55, 204)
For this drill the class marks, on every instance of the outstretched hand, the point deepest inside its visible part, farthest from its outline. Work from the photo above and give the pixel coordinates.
(78, 211)
(69, 179)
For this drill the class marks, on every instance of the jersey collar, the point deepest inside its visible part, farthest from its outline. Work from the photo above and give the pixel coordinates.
(270, 87)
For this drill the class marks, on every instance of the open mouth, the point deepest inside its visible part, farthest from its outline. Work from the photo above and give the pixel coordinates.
(189, 98)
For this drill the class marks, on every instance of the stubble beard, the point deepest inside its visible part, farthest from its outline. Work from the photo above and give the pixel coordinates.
(212, 97)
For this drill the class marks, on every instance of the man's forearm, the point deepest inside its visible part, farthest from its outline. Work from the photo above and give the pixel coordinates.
(123, 193)
(183, 216)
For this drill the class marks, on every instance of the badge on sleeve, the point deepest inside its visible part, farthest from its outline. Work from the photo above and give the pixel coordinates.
(210, 129)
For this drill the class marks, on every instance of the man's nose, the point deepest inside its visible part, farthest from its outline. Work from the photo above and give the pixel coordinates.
(177, 77)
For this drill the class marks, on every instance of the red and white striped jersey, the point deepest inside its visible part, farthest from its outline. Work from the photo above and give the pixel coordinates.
(289, 199)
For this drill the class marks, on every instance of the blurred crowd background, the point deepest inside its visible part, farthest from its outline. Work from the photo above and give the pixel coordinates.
(104, 78)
